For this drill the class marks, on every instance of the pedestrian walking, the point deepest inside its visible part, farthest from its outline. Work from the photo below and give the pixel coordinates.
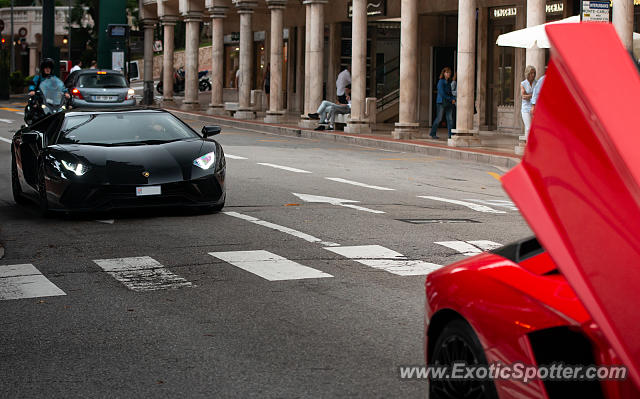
(444, 101)
(526, 90)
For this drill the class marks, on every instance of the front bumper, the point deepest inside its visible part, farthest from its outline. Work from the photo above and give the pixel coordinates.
(76, 103)
(79, 197)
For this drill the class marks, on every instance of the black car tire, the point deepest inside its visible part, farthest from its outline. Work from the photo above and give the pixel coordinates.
(458, 343)
(15, 182)
(43, 202)
(159, 87)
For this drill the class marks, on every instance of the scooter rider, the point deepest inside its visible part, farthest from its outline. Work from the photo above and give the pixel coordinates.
(46, 72)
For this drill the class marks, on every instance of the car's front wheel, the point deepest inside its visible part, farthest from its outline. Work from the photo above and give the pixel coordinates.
(15, 182)
(458, 343)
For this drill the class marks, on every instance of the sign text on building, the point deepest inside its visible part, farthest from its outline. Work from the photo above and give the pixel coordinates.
(594, 11)
(375, 8)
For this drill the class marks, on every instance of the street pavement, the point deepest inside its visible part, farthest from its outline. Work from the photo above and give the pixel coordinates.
(310, 283)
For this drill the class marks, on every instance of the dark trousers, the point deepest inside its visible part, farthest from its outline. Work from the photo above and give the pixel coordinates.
(442, 110)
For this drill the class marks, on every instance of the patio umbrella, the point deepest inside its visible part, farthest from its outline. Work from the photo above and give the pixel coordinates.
(536, 36)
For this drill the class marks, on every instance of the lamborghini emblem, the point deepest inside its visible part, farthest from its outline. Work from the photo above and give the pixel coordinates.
(145, 174)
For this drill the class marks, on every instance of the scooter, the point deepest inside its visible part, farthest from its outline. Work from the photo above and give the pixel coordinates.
(48, 99)
(178, 82)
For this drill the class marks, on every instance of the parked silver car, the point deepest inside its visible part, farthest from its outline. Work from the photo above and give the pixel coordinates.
(99, 88)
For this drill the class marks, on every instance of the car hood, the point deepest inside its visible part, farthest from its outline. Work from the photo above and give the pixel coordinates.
(168, 162)
(578, 185)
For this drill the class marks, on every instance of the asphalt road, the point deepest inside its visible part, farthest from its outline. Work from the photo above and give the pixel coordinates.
(327, 324)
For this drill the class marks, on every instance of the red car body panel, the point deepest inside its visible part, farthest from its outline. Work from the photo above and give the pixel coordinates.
(577, 184)
(577, 187)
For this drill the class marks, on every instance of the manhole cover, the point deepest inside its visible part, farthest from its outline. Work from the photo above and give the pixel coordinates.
(430, 221)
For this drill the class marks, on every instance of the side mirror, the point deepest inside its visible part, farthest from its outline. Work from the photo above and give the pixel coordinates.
(31, 137)
(210, 130)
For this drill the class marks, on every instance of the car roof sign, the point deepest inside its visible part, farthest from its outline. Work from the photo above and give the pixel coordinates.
(578, 185)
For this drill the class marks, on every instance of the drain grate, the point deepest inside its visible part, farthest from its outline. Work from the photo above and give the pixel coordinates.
(437, 221)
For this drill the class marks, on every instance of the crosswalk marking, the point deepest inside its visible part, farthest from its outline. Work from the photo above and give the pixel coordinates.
(268, 265)
(25, 281)
(233, 156)
(355, 183)
(379, 257)
(470, 205)
(142, 273)
(290, 169)
(5, 140)
(496, 202)
(470, 248)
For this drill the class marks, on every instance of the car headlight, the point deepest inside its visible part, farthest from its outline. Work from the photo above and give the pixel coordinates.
(206, 161)
(77, 168)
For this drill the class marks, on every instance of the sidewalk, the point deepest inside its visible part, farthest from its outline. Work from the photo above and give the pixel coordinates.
(379, 138)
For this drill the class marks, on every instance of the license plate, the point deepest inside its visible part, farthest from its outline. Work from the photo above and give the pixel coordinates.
(148, 190)
(105, 98)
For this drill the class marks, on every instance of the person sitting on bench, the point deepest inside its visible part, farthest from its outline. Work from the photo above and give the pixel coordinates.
(325, 106)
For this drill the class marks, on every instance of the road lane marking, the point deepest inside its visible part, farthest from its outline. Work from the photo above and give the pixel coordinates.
(500, 203)
(470, 248)
(379, 257)
(470, 205)
(9, 109)
(233, 156)
(283, 229)
(334, 201)
(355, 183)
(5, 140)
(284, 167)
(6, 120)
(495, 175)
(269, 266)
(25, 281)
(105, 221)
(142, 273)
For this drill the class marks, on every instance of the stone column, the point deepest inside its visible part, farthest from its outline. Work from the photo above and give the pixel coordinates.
(464, 134)
(623, 21)
(536, 15)
(245, 9)
(315, 61)
(276, 111)
(168, 24)
(291, 49)
(33, 59)
(148, 26)
(407, 126)
(305, 122)
(300, 68)
(192, 44)
(218, 14)
(358, 122)
(334, 59)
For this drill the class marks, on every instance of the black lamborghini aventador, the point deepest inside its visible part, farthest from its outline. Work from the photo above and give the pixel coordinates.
(101, 160)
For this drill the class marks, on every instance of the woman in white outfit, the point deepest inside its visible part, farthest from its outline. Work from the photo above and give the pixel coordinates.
(526, 89)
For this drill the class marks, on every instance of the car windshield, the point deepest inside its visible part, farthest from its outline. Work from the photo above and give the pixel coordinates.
(103, 81)
(125, 128)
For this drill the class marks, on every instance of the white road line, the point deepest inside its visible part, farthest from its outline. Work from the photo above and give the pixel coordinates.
(284, 167)
(6, 120)
(470, 248)
(355, 183)
(5, 140)
(105, 221)
(379, 257)
(282, 229)
(25, 281)
(501, 203)
(269, 266)
(485, 245)
(142, 274)
(233, 156)
(470, 205)
(334, 201)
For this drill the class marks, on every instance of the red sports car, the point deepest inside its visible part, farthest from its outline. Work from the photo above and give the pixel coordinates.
(571, 294)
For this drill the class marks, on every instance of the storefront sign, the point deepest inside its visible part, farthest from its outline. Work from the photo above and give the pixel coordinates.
(375, 8)
(595, 11)
(556, 8)
(505, 12)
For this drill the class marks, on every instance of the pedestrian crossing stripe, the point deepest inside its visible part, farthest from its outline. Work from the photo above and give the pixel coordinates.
(25, 281)
(268, 265)
(379, 257)
(142, 274)
(470, 248)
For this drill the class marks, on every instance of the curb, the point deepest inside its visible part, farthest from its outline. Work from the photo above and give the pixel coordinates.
(472, 155)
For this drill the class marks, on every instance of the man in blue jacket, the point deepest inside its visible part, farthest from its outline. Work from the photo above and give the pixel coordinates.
(46, 72)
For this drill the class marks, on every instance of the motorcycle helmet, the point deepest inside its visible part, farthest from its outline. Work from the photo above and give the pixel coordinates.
(46, 63)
